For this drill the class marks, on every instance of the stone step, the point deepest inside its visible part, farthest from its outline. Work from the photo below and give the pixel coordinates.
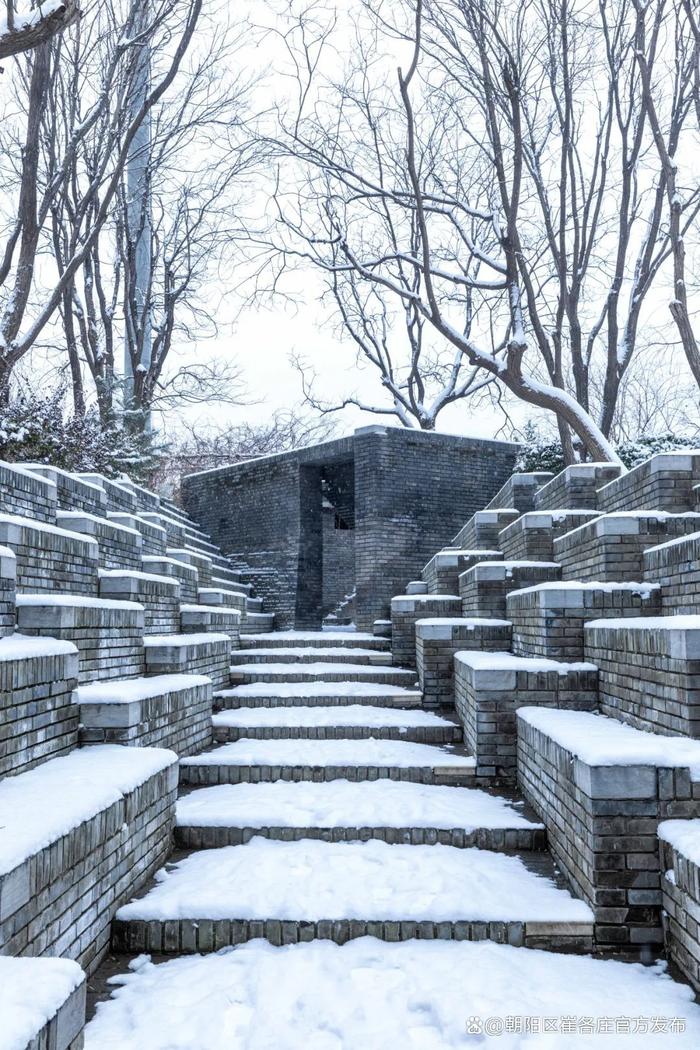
(482, 530)
(664, 482)
(601, 789)
(254, 761)
(200, 562)
(417, 587)
(206, 654)
(531, 537)
(218, 596)
(437, 642)
(226, 583)
(73, 492)
(442, 572)
(520, 491)
(577, 486)
(217, 619)
(100, 817)
(257, 623)
(316, 694)
(675, 567)
(648, 670)
(311, 655)
(319, 639)
(107, 634)
(244, 674)
(120, 498)
(254, 605)
(38, 713)
(406, 610)
(611, 548)
(349, 722)
(50, 558)
(26, 494)
(174, 529)
(155, 539)
(548, 620)
(43, 1003)
(484, 588)
(489, 689)
(288, 891)
(159, 596)
(186, 575)
(120, 547)
(340, 811)
(172, 711)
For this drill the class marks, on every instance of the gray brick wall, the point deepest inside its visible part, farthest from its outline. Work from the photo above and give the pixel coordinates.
(412, 492)
(612, 547)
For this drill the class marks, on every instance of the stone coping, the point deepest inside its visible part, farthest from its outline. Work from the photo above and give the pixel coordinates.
(677, 637)
(8, 564)
(502, 570)
(565, 594)
(91, 522)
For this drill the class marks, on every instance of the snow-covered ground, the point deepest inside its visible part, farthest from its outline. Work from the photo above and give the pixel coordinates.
(31, 992)
(369, 995)
(309, 880)
(340, 803)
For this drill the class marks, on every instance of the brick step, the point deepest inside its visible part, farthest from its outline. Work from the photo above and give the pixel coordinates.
(186, 575)
(437, 642)
(441, 574)
(172, 711)
(120, 547)
(520, 491)
(254, 605)
(218, 619)
(221, 571)
(248, 673)
(665, 482)
(174, 529)
(601, 789)
(252, 761)
(73, 492)
(49, 557)
(154, 536)
(339, 811)
(109, 635)
(99, 817)
(484, 588)
(319, 639)
(532, 536)
(576, 486)
(316, 694)
(257, 623)
(483, 528)
(222, 596)
(351, 722)
(120, 498)
(200, 562)
(548, 619)
(311, 887)
(45, 1003)
(27, 494)
(206, 654)
(490, 687)
(611, 547)
(159, 596)
(311, 655)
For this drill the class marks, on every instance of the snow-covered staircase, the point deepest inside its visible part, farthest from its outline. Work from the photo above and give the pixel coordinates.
(336, 806)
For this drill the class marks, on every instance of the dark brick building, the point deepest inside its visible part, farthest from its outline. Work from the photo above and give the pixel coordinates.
(400, 494)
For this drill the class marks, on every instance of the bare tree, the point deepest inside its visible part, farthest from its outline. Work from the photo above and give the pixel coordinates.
(101, 122)
(503, 189)
(23, 32)
(679, 20)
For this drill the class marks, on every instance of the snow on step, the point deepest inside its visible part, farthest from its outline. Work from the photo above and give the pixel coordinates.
(32, 992)
(349, 715)
(128, 690)
(29, 647)
(320, 654)
(318, 670)
(340, 803)
(601, 741)
(372, 995)
(308, 881)
(38, 807)
(398, 753)
(280, 694)
(332, 638)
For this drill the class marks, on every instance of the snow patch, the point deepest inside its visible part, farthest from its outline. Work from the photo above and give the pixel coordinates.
(31, 993)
